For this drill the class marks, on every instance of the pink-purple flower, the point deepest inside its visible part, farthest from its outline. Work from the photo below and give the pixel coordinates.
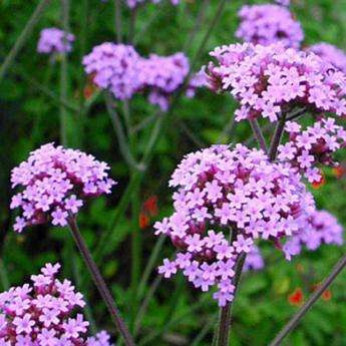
(54, 40)
(54, 183)
(45, 312)
(114, 67)
(315, 145)
(321, 228)
(254, 259)
(331, 54)
(270, 80)
(224, 194)
(267, 24)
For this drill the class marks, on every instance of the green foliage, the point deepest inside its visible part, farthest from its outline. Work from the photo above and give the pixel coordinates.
(29, 117)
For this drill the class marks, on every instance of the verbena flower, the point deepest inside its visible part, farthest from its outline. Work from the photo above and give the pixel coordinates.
(254, 260)
(162, 76)
(46, 312)
(331, 54)
(267, 24)
(54, 40)
(198, 80)
(222, 191)
(269, 81)
(321, 228)
(134, 3)
(315, 145)
(54, 182)
(115, 67)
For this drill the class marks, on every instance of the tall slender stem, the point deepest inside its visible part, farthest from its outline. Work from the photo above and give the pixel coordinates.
(118, 21)
(258, 134)
(63, 75)
(277, 137)
(100, 283)
(340, 265)
(225, 314)
(35, 17)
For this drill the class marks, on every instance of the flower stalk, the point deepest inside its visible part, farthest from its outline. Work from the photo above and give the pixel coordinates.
(100, 283)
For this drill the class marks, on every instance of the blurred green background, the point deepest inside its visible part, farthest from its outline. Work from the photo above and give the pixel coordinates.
(30, 113)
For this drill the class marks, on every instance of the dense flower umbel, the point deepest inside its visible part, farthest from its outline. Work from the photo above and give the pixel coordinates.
(162, 75)
(54, 40)
(313, 146)
(254, 259)
(267, 24)
(268, 81)
(330, 53)
(45, 313)
(134, 3)
(55, 181)
(115, 67)
(222, 189)
(321, 228)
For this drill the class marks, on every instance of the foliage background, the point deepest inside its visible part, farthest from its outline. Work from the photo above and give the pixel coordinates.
(30, 115)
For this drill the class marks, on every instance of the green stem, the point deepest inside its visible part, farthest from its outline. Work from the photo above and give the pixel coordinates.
(35, 17)
(274, 145)
(117, 20)
(258, 134)
(290, 326)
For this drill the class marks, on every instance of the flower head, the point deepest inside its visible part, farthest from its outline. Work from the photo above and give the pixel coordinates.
(45, 313)
(320, 228)
(163, 75)
(269, 81)
(331, 54)
(222, 190)
(54, 182)
(115, 67)
(54, 40)
(266, 24)
(315, 145)
(254, 259)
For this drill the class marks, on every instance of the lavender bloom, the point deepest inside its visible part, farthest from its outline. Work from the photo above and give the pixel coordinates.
(44, 313)
(221, 189)
(283, 2)
(321, 228)
(313, 146)
(163, 75)
(331, 54)
(198, 80)
(254, 260)
(267, 24)
(55, 182)
(268, 81)
(115, 67)
(54, 40)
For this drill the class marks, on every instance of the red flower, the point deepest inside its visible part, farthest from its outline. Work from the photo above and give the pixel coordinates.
(144, 220)
(150, 205)
(296, 298)
(318, 184)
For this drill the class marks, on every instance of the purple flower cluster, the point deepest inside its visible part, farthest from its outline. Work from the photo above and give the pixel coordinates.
(254, 260)
(162, 75)
(114, 67)
(43, 314)
(315, 145)
(283, 2)
(134, 3)
(55, 181)
(269, 81)
(267, 24)
(54, 40)
(198, 80)
(221, 191)
(331, 54)
(321, 228)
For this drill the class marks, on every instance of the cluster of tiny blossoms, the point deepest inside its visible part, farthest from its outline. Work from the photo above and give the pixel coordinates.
(43, 314)
(134, 3)
(222, 190)
(55, 181)
(331, 54)
(315, 145)
(321, 228)
(54, 40)
(254, 260)
(268, 24)
(114, 67)
(268, 81)
(162, 75)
